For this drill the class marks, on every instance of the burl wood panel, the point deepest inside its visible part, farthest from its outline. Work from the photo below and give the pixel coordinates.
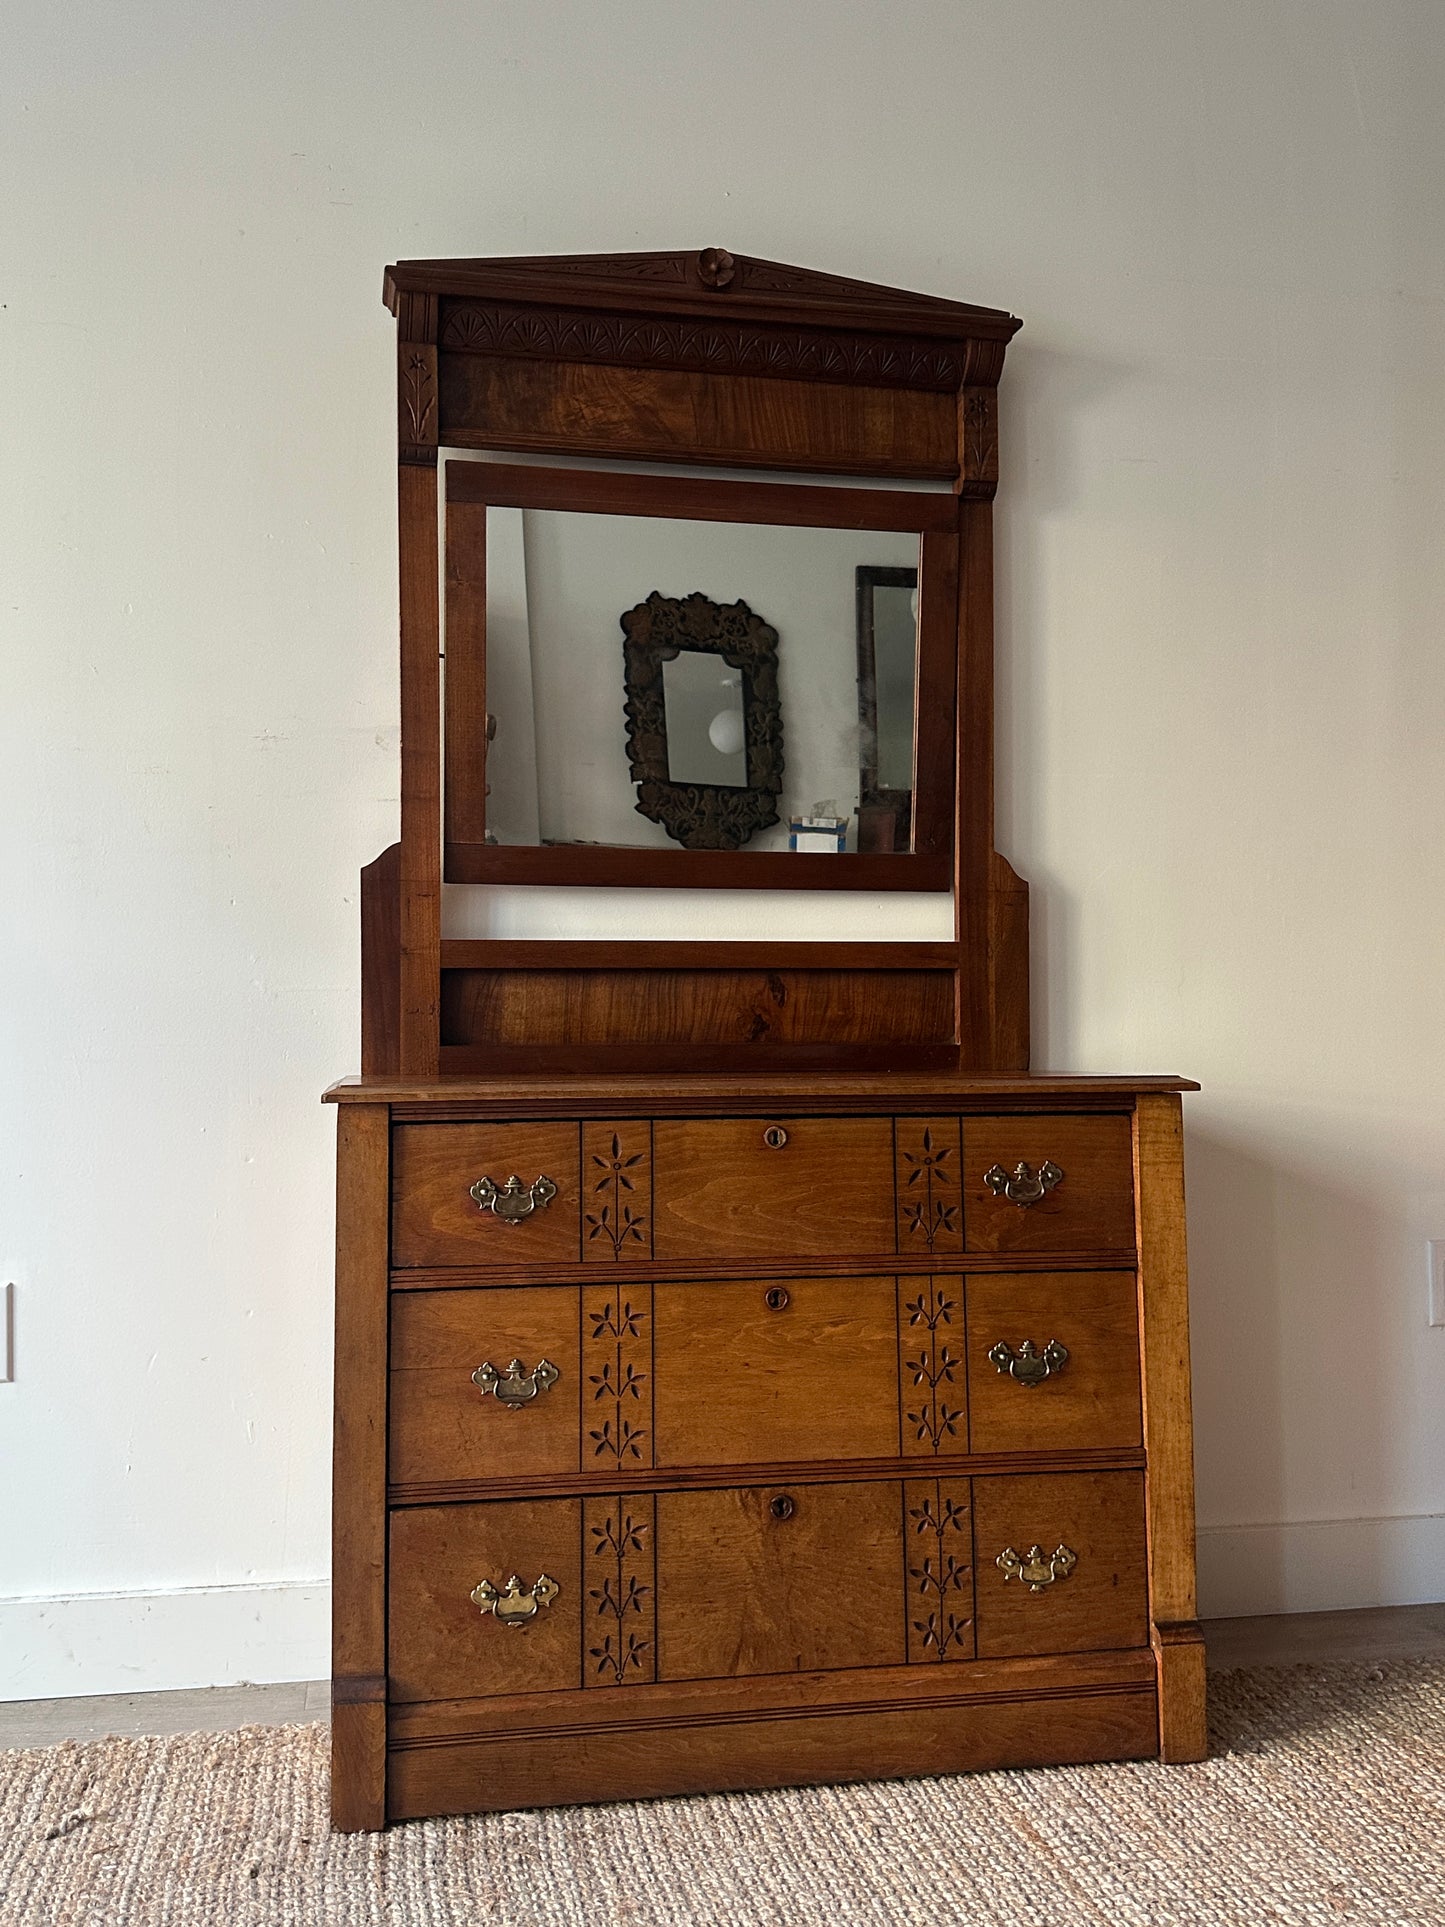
(746, 1007)
(1091, 1209)
(938, 1547)
(722, 1191)
(1093, 1400)
(836, 1745)
(1102, 1603)
(744, 1590)
(760, 1371)
(436, 1221)
(494, 402)
(442, 1425)
(442, 1646)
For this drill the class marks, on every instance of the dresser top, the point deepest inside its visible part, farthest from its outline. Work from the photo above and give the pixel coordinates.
(795, 1089)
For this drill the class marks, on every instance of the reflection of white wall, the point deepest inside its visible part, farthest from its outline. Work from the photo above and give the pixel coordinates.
(512, 758)
(584, 571)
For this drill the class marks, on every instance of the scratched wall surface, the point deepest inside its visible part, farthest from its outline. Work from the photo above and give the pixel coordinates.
(1221, 589)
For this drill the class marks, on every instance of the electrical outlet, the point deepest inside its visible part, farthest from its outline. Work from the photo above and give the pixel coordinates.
(1436, 1249)
(7, 1334)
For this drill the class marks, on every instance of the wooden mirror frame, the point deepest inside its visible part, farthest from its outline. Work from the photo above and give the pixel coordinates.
(728, 362)
(472, 487)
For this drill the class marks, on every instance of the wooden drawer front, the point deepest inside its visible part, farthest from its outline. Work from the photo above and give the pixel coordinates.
(440, 1644)
(722, 1191)
(1090, 1398)
(743, 1590)
(435, 1220)
(756, 1371)
(444, 1425)
(1090, 1207)
(1101, 1602)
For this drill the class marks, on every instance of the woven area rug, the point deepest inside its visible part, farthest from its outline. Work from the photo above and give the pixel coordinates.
(1324, 1802)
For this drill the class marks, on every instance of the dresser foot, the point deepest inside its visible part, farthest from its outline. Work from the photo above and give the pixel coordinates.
(1183, 1713)
(358, 1766)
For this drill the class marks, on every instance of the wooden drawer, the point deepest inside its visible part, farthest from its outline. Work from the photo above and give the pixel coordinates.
(765, 1370)
(782, 1187)
(436, 1220)
(1083, 1166)
(444, 1425)
(1090, 1398)
(1101, 1602)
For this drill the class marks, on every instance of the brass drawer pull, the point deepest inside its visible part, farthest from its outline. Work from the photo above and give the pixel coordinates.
(777, 1298)
(1028, 1364)
(1023, 1185)
(513, 1201)
(516, 1605)
(1033, 1568)
(782, 1507)
(515, 1386)
(775, 1137)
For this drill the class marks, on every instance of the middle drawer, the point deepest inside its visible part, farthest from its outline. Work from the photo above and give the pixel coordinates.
(543, 1381)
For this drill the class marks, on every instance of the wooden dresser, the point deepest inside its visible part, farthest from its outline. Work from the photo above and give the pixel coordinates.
(747, 1373)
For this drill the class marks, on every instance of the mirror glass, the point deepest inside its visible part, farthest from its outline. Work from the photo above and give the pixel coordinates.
(733, 704)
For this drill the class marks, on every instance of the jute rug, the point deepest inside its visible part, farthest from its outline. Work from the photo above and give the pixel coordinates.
(1325, 1802)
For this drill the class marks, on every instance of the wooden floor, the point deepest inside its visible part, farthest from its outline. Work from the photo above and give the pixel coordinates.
(1387, 1632)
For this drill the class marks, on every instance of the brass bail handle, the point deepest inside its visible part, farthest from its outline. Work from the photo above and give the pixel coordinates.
(513, 1201)
(1023, 1185)
(515, 1604)
(1028, 1364)
(515, 1386)
(1035, 1568)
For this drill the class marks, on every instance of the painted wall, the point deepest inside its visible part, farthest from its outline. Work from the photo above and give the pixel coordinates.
(1221, 596)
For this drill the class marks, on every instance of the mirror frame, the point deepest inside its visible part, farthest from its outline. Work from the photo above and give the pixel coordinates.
(471, 487)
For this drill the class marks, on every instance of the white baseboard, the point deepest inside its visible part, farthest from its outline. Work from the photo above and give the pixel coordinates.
(1321, 1565)
(150, 1642)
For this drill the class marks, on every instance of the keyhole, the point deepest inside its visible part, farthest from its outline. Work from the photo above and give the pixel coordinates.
(776, 1298)
(775, 1137)
(782, 1507)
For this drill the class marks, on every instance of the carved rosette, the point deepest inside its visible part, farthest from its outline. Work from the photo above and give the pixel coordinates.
(702, 816)
(619, 1625)
(927, 1172)
(931, 1366)
(616, 1191)
(938, 1553)
(617, 1374)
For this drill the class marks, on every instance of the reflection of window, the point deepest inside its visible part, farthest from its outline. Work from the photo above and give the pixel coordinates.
(704, 701)
(887, 601)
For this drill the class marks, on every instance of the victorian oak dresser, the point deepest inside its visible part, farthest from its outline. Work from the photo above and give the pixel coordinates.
(747, 1372)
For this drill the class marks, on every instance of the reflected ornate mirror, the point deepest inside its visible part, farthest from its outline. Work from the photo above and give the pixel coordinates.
(704, 730)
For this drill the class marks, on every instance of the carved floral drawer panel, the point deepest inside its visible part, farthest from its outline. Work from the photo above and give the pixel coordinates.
(538, 1381)
(704, 1189)
(555, 1595)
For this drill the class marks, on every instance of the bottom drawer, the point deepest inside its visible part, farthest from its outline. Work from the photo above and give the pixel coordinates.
(551, 1595)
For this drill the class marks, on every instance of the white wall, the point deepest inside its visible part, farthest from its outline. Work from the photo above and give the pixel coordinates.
(1221, 683)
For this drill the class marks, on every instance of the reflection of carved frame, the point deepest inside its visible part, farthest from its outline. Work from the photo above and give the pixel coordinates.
(884, 815)
(703, 816)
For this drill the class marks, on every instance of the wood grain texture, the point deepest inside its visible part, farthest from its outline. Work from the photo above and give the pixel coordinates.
(436, 1221)
(421, 827)
(721, 1190)
(647, 1092)
(756, 1370)
(1103, 1602)
(358, 1519)
(741, 1590)
(1008, 968)
(834, 1745)
(561, 953)
(1183, 1692)
(677, 415)
(381, 965)
(974, 763)
(1092, 1209)
(758, 1009)
(441, 1645)
(1094, 1400)
(617, 867)
(616, 1190)
(442, 1425)
(928, 1184)
(465, 680)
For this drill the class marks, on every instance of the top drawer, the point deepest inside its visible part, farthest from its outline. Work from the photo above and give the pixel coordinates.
(485, 1194)
(1049, 1183)
(772, 1187)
